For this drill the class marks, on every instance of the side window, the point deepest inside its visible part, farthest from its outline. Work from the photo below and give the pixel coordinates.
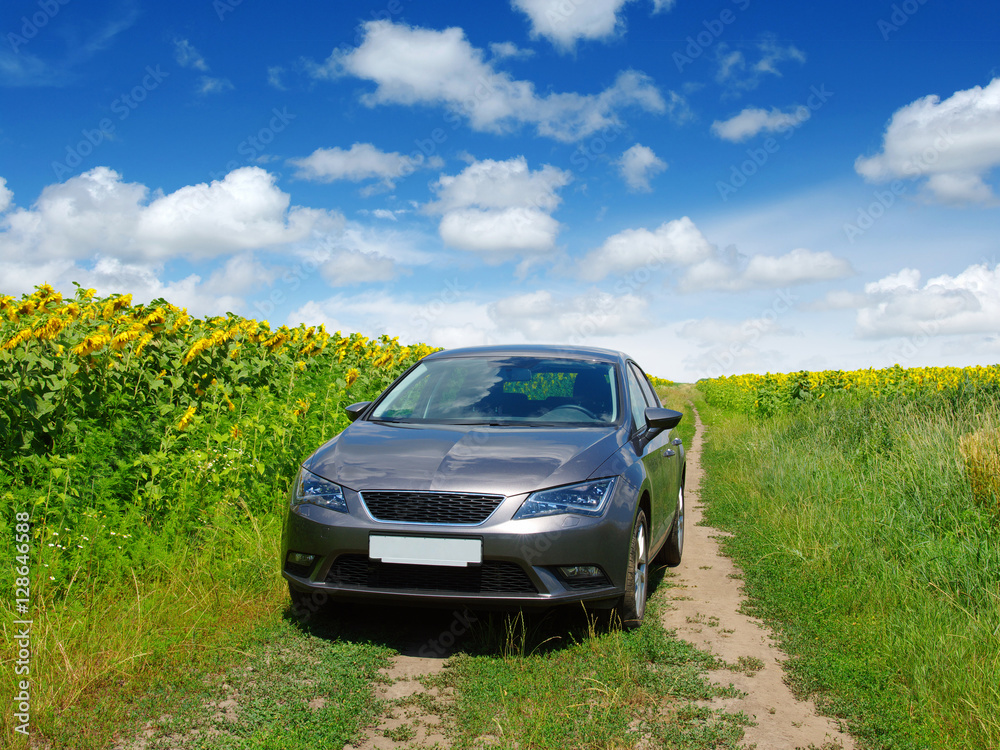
(637, 402)
(647, 389)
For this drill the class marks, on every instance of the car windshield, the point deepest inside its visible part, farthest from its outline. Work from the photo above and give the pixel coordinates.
(528, 391)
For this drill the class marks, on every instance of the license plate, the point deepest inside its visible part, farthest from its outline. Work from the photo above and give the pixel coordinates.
(422, 550)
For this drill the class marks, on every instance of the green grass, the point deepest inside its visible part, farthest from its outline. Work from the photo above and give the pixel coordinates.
(534, 682)
(861, 543)
(299, 690)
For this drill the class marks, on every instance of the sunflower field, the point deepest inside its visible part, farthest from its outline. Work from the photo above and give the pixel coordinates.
(763, 395)
(139, 441)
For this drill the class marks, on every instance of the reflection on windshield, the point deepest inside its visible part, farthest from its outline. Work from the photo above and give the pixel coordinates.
(521, 391)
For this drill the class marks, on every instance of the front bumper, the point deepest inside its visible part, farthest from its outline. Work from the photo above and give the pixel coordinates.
(520, 565)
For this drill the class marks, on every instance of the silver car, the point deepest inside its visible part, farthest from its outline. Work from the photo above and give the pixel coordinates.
(516, 476)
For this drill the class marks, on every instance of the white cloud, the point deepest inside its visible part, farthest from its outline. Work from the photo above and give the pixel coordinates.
(6, 195)
(187, 56)
(677, 242)
(752, 121)
(362, 161)
(800, 266)
(541, 316)
(274, 74)
(708, 332)
(737, 75)
(500, 184)
(97, 213)
(210, 85)
(898, 305)
(638, 165)
(423, 66)
(432, 319)
(954, 143)
(500, 208)
(564, 23)
(350, 267)
(510, 51)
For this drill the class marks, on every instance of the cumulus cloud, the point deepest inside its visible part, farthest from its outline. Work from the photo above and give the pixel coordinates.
(500, 209)
(6, 195)
(638, 165)
(542, 316)
(446, 318)
(709, 332)
(899, 305)
(423, 66)
(564, 23)
(677, 242)
(730, 274)
(953, 143)
(737, 75)
(362, 161)
(98, 212)
(752, 121)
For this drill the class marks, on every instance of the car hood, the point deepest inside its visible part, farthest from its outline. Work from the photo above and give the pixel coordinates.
(462, 458)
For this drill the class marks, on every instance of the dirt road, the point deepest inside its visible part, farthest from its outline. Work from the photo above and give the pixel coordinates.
(705, 611)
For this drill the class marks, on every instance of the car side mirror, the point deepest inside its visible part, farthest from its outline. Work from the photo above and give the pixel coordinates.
(355, 410)
(662, 419)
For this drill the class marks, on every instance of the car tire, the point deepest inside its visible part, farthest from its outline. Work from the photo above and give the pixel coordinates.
(673, 548)
(632, 606)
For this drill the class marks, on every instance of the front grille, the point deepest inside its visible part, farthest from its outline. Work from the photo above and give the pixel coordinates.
(583, 584)
(492, 577)
(430, 507)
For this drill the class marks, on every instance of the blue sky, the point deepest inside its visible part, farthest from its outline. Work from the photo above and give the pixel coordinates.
(715, 188)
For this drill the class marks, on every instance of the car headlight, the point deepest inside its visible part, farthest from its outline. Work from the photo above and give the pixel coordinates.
(586, 499)
(312, 488)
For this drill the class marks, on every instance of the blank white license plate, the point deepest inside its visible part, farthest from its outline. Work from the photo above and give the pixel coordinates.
(422, 550)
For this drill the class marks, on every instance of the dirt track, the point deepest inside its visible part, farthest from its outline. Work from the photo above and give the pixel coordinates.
(705, 610)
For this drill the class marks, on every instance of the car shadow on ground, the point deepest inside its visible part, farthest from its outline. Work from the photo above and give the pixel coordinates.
(441, 632)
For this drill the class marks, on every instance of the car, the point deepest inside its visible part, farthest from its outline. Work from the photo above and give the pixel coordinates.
(497, 476)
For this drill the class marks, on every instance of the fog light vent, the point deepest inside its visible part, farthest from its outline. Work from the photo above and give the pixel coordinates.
(581, 571)
(301, 558)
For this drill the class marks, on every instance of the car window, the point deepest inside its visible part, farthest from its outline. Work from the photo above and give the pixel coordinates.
(514, 390)
(647, 389)
(637, 400)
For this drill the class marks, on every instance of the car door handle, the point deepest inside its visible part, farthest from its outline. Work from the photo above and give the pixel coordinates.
(677, 441)
(668, 452)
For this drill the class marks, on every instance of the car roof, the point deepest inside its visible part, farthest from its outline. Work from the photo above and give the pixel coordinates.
(535, 350)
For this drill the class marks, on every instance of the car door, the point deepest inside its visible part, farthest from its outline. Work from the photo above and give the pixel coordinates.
(659, 456)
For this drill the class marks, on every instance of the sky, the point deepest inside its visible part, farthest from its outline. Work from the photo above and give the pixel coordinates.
(713, 187)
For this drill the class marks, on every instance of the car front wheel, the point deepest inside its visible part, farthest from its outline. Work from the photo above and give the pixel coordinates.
(632, 605)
